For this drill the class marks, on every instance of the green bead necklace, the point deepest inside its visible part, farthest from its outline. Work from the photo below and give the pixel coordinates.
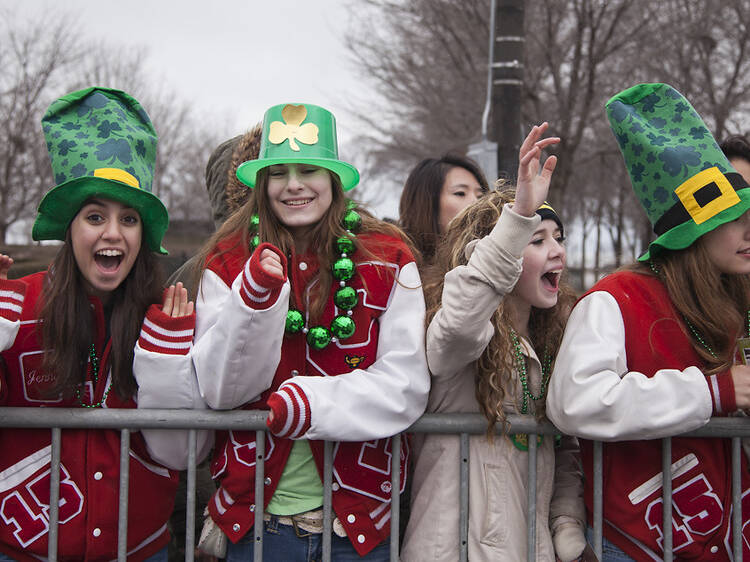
(345, 298)
(522, 374)
(521, 440)
(94, 379)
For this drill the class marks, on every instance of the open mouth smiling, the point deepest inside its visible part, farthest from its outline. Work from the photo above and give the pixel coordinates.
(108, 260)
(297, 202)
(551, 279)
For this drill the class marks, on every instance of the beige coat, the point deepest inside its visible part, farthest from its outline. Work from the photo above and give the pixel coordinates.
(498, 472)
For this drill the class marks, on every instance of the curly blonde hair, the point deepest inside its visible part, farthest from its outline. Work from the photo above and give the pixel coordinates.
(496, 373)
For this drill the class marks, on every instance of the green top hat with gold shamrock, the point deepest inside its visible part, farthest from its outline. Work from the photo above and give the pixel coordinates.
(299, 134)
(679, 173)
(101, 143)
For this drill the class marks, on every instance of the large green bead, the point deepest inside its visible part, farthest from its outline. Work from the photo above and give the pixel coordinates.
(343, 269)
(294, 321)
(254, 222)
(345, 245)
(318, 337)
(254, 242)
(342, 327)
(351, 221)
(345, 298)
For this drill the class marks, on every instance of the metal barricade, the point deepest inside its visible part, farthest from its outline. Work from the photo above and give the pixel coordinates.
(58, 419)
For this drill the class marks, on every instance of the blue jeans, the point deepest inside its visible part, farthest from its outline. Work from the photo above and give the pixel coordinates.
(280, 542)
(610, 552)
(160, 556)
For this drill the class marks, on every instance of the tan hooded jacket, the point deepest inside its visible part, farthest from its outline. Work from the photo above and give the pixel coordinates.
(498, 471)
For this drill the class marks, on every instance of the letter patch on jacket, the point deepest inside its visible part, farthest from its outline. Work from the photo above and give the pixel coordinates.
(24, 492)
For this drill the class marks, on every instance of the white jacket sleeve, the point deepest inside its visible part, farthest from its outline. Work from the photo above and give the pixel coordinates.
(237, 348)
(592, 393)
(461, 329)
(389, 395)
(168, 381)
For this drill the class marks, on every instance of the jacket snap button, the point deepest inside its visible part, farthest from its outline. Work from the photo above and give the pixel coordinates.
(714, 549)
(335, 486)
(351, 518)
(267, 481)
(236, 527)
(97, 475)
(360, 539)
(302, 266)
(294, 372)
(252, 508)
(97, 532)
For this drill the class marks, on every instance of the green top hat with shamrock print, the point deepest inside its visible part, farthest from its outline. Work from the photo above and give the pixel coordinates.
(299, 134)
(101, 143)
(679, 173)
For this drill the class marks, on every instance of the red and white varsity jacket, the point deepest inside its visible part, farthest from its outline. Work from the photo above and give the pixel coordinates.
(626, 370)
(358, 392)
(90, 459)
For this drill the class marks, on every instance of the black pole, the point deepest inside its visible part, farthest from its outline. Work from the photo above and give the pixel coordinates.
(507, 81)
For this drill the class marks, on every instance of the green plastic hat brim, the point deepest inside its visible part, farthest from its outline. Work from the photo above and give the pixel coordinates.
(683, 235)
(62, 203)
(348, 174)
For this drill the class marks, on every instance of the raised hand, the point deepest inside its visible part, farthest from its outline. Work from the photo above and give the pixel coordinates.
(176, 302)
(271, 263)
(533, 186)
(5, 263)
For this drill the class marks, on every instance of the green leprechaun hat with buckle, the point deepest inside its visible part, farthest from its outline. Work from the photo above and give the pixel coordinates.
(101, 143)
(299, 134)
(682, 178)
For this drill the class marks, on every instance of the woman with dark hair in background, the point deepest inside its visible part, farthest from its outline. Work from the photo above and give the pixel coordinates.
(737, 149)
(435, 192)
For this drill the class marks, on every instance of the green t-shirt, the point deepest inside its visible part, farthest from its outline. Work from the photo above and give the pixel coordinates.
(300, 488)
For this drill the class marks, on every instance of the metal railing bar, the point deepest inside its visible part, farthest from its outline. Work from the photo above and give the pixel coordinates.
(666, 498)
(736, 499)
(113, 418)
(122, 518)
(54, 494)
(462, 424)
(327, 499)
(260, 502)
(531, 491)
(598, 511)
(463, 509)
(190, 498)
(395, 494)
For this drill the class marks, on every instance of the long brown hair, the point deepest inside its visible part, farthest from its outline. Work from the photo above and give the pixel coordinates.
(714, 303)
(419, 207)
(322, 236)
(67, 326)
(496, 367)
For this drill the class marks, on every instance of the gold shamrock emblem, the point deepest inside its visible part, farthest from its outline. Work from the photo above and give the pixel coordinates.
(292, 128)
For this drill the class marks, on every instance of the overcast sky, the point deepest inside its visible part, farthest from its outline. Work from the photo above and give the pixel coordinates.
(228, 57)
(232, 59)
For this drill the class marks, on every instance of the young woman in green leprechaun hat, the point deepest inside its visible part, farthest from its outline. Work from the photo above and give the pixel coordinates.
(656, 349)
(68, 336)
(496, 311)
(311, 308)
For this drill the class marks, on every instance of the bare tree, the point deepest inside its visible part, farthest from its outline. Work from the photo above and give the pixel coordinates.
(34, 56)
(427, 59)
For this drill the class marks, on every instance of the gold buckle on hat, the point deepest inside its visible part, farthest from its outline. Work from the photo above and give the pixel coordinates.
(118, 175)
(686, 192)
